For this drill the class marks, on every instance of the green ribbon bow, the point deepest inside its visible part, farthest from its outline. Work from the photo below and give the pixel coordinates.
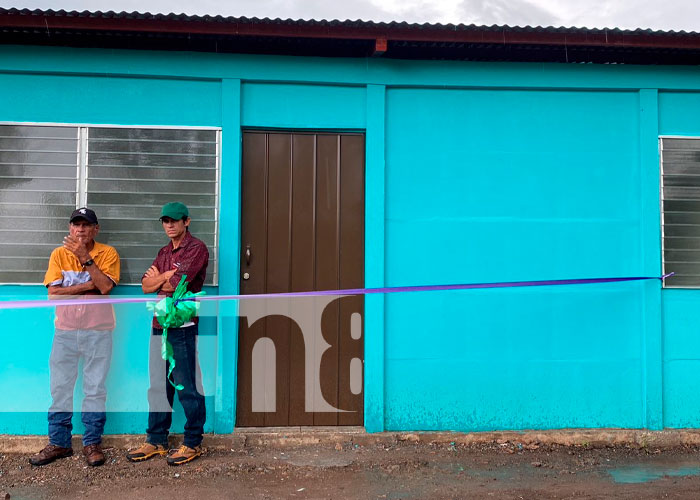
(173, 312)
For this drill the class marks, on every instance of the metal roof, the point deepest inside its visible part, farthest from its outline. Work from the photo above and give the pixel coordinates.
(135, 30)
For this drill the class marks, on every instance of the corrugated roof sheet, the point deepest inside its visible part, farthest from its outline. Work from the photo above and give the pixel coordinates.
(347, 38)
(123, 15)
(332, 23)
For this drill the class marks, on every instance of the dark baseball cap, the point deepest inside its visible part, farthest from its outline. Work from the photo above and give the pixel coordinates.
(85, 214)
(175, 210)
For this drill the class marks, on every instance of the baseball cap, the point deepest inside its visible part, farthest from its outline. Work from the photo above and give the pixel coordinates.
(175, 210)
(84, 213)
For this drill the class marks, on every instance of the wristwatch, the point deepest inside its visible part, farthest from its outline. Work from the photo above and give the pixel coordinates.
(88, 262)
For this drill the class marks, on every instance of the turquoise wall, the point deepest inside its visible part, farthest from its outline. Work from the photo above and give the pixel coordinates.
(678, 115)
(474, 172)
(510, 185)
(24, 374)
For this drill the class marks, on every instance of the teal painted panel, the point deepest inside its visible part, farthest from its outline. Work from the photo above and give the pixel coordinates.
(375, 238)
(539, 358)
(511, 185)
(501, 185)
(563, 324)
(678, 113)
(346, 71)
(681, 320)
(26, 358)
(271, 105)
(109, 100)
(681, 315)
(513, 154)
(503, 394)
(24, 361)
(229, 248)
(508, 249)
(651, 251)
(682, 393)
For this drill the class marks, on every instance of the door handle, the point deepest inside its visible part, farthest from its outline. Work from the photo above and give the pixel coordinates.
(247, 255)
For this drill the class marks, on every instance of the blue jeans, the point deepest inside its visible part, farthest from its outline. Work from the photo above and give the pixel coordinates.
(95, 349)
(161, 393)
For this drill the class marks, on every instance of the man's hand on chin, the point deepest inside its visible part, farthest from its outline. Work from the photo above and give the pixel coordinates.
(77, 246)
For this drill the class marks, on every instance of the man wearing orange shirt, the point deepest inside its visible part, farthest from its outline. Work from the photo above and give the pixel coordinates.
(81, 268)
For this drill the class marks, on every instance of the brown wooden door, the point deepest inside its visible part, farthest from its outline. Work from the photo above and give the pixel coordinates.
(302, 229)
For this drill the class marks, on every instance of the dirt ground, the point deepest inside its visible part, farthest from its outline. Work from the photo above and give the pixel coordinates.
(384, 471)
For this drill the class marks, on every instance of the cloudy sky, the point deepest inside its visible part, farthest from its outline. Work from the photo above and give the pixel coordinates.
(630, 14)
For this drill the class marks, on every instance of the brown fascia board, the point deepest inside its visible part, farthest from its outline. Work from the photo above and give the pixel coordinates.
(351, 30)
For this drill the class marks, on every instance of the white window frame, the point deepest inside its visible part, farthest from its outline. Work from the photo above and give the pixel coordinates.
(82, 180)
(663, 212)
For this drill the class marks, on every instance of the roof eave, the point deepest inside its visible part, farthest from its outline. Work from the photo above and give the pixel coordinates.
(349, 30)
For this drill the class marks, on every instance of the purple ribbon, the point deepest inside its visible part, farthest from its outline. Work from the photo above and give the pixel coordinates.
(26, 304)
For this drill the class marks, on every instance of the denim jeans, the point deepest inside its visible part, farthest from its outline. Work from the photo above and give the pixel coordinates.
(95, 349)
(161, 393)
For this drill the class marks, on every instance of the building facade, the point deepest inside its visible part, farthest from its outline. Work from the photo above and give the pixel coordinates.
(375, 169)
